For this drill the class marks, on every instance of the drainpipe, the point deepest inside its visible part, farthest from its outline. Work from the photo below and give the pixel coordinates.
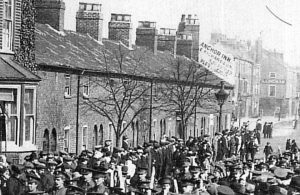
(150, 118)
(77, 113)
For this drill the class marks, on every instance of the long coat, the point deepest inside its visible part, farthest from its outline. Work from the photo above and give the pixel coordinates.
(16, 186)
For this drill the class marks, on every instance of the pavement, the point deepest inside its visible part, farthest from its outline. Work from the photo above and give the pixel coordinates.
(264, 119)
(282, 131)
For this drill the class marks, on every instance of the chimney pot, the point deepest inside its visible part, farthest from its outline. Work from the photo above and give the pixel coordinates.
(120, 28)
(146, 35)
(51, 12)
(89, 20)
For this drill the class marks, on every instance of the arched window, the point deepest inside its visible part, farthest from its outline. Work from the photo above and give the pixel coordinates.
(46, 140)
(53, 141)
(100, 138)
(95, 136)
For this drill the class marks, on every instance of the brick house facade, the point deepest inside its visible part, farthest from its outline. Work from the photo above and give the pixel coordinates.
(68, 60)
(17, 83)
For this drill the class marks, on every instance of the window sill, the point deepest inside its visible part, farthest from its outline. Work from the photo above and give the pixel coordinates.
(12, 147)
(85, 96)
(68, 96)
(6, 52)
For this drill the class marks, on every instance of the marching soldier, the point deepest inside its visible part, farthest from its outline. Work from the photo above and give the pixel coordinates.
(33, 183)
(99, 178)
(165, 185)
(86, 182)
(59, 184)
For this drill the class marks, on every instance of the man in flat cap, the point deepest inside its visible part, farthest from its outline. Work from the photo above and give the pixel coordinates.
(99, 178)
(187, 186)
(16, 185)
(46, 179)
(166, 184)
(86, 182)
(33, 183)
(59, 184)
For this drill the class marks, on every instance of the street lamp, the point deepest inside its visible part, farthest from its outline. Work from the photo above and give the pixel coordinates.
(221, 96)
(240, 101)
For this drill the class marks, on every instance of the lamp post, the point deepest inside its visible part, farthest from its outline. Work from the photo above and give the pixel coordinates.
(240, 101)
(221, 96)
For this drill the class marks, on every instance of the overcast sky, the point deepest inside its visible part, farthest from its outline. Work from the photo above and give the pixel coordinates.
(244, 19)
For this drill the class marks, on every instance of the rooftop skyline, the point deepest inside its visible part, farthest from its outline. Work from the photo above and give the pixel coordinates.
(245, 20)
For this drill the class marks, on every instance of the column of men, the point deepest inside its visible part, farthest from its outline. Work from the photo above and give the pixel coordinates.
(224, 164)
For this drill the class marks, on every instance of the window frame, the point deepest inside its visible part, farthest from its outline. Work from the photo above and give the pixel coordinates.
(86, 85)
(67, 88)
(272, 77)
(7, 44)
(66, 139)
(269, 90)
(33, 115)
(84, 138)
(9, 115)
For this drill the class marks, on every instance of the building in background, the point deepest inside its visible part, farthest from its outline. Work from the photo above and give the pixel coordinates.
(69, 61)
(18, 87)
(246, 93)
(278, 86)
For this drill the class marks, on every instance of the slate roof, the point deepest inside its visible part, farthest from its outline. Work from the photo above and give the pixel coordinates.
(77, 51)
(11, 71)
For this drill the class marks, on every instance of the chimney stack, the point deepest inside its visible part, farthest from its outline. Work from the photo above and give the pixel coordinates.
(190, 25)
(51, 12)
(89, 20)
(120, 28)
(185, 45)
(167, 40)
(146, 35)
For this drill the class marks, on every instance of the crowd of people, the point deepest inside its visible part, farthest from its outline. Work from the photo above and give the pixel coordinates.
(224, 164)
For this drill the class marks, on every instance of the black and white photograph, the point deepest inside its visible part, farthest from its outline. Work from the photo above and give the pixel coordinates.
(149, 97)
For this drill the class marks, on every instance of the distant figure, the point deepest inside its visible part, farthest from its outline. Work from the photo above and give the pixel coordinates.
(294, 148)
(271, 130)
(268, 150)
(265, 130)
(125, 144)
(258, 128)
(288, 144)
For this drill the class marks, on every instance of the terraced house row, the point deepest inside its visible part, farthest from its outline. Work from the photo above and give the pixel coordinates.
(65, 90)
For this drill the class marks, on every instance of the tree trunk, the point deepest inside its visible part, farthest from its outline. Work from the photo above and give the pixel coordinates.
(118, 138)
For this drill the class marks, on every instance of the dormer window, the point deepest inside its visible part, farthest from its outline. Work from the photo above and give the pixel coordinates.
(7, 32)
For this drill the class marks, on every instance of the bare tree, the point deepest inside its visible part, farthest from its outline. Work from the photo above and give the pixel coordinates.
(122, 98)
(191, 90)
